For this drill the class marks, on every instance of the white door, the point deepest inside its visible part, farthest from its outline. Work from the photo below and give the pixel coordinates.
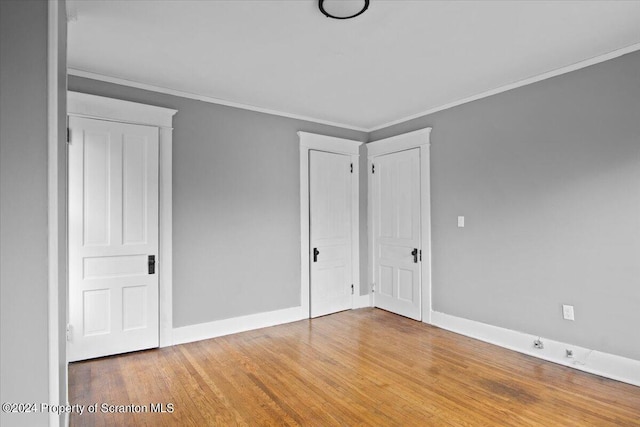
(330, 228)
(396, 221)
(113, 235)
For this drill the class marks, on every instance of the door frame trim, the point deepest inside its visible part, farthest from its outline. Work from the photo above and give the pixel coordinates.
(56, 208)
(103, 108)
(312, 141)
(420, 139)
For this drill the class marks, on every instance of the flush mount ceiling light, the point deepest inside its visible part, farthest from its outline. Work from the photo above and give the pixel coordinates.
(342, 9)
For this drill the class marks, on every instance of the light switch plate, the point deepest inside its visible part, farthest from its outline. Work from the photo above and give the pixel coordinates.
(567, 312)
(460, 221)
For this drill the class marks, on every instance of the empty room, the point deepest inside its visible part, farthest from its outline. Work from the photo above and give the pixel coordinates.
(320, 213)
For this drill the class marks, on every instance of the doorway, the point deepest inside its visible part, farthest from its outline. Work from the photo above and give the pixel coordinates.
(329, 194)
(399, 214)
(119, 222)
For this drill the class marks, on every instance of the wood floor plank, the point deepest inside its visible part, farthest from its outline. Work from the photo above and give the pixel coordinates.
(364, 367)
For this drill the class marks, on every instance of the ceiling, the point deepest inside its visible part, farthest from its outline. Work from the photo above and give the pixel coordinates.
(398, 59)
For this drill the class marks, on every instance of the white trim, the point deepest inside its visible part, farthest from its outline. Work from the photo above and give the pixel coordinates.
(397, 143)
(331, 144)
(204, 98)
(534, 79)
(218, 328)
(54, 259)
(355, 225)
(165, 249)
(85, 105)
(417, 139)
(100, 107)
(425, 227)
(311, 141)
(595, 362)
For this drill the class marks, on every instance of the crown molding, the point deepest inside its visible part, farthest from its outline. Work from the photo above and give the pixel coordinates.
(534, 79)
(530, 80)
(167, 91)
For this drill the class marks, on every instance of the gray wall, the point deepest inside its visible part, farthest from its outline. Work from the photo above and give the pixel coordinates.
(236, 205)
(548, 178)
(23, 208)
(546, 175)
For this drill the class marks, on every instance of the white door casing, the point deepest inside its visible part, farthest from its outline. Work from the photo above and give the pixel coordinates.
(110, 109)
(349, 148)
(113, 230)
(399, 231)
(330, 227)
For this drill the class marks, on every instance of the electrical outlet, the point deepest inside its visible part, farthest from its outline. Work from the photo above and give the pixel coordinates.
(538, 344)
(567, 312)
(461, 221)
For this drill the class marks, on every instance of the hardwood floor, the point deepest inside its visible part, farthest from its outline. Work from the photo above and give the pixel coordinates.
(363, 367)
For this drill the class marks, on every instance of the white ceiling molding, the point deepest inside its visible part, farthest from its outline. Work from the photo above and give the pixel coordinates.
(573, 67)
(203, 98)
(399, 59)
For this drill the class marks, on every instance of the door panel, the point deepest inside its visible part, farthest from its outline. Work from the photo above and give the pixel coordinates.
(97, 312)
(396, 224)
(330, 227)
(134, 307)
(97, 176)
(134, 188)
(113, 228)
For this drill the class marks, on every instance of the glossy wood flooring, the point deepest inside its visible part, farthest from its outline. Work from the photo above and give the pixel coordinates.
(363, 367)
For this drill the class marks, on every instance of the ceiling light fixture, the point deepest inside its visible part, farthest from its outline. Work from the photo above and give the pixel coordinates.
(342, 9)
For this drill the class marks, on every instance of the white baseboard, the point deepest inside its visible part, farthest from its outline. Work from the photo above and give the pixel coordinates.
(588, 360)
(362, 301)
(218, 328)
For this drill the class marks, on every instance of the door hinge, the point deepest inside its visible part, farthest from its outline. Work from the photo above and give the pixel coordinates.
(351, 167)
(68, 135)
(373, 168)
(420, 255)
(373, 287)
(352, 289)
(69, 334)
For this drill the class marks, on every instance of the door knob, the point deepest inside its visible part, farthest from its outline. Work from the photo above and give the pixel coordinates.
(316, 252)
(151, 264)
(414, 252)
